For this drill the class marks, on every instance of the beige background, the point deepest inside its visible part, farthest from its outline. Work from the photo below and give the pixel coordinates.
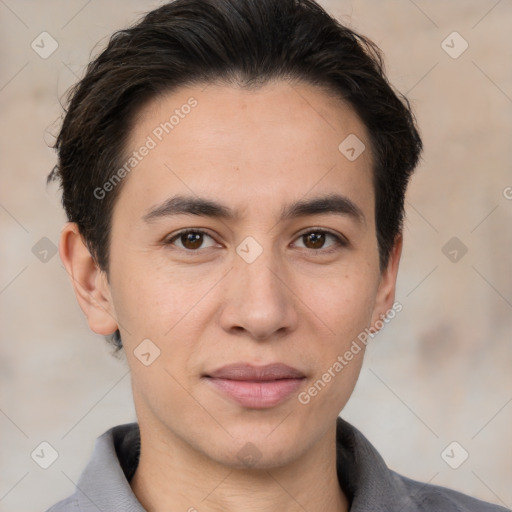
(440, 372)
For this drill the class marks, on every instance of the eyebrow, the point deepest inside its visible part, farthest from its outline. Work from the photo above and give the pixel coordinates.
(190, 205)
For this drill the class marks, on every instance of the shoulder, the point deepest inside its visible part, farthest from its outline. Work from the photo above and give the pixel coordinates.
(104, 483)
(372, 485)
(67, 505)
(430, 498)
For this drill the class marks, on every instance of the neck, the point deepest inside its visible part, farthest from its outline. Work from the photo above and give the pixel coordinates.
(172, 475)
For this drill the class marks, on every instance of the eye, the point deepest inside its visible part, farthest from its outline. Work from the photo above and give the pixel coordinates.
(315, 240)
(190, 239)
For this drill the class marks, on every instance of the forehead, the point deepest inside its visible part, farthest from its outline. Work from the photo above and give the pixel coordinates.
(276, 105)
(281, 140)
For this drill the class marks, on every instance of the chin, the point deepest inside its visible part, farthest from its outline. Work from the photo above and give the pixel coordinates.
(265, 448)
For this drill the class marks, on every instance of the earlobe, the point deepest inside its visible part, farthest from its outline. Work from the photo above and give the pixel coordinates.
(89, 282)
(387, 286)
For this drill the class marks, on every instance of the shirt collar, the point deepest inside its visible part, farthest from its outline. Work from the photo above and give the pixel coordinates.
(364, 476)
(362, 473)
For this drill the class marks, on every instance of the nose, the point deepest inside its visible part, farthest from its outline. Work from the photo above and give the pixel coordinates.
(258, 299)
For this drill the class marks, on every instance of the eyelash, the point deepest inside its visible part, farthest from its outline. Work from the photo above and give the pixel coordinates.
(340, 241)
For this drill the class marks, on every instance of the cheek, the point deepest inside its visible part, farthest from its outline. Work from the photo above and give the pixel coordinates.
(343, 303)
(153, 300)
(343, 310)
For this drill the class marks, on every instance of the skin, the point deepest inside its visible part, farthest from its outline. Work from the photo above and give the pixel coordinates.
(297, 303)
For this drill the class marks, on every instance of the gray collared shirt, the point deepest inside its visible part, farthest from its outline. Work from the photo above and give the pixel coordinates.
(368, 483)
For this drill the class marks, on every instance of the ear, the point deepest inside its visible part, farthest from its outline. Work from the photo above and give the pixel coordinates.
(387, 286)
(90, 284)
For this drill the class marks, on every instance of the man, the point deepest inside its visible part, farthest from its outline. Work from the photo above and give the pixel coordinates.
(234, 173)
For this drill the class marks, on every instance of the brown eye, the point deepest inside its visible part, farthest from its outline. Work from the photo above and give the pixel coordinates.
(318, 241)
(191, 240)
(314, 240)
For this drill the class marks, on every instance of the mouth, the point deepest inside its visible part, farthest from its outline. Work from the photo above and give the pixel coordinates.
(248, 372)
(256, 387)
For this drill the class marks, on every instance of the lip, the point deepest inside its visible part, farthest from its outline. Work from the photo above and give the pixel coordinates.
(246, 371)
(256, 387)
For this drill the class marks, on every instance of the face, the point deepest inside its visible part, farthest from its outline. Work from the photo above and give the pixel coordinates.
(280, 265)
